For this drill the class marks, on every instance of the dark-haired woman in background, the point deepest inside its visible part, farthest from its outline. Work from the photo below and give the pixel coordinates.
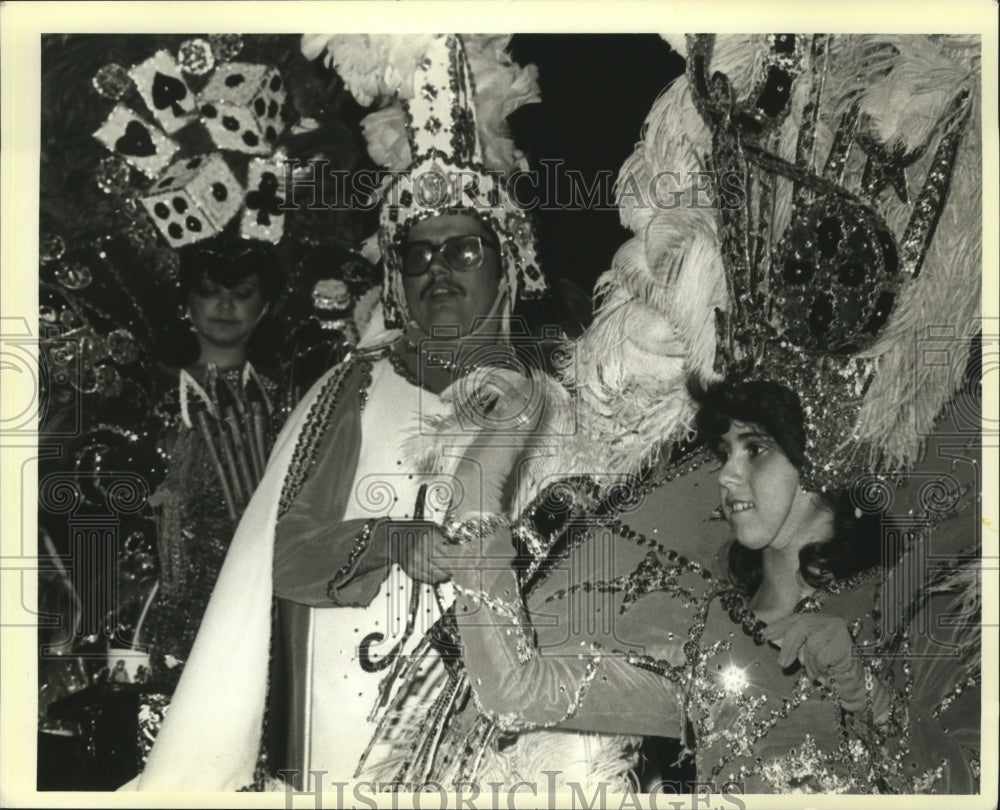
(218, 417)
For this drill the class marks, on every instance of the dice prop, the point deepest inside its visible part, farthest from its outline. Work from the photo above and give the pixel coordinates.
(136, 140)
(194, 199)
(165, 92)
(262, 217)
(241, 106)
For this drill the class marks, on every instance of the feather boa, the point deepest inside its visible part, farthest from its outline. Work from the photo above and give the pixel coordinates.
(963, 582)
(559, 760)
(426, 447)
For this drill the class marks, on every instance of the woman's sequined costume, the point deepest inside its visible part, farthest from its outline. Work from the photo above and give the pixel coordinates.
(194, 530)
(765, 729)
(621, 634)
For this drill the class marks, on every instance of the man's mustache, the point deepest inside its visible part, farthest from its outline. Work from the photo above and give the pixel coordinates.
(438, 283)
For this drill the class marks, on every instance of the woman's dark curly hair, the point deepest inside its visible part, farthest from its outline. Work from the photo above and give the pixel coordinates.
(857, 542)
(227, 260)
(228, 263)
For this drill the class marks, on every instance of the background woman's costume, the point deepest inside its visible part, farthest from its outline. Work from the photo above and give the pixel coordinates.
(129, 183)
(196, 511)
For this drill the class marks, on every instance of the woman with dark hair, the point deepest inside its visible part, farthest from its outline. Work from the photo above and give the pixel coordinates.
(788, 542)
(756, 430)
(225, 292)
(791, 674)
(217, 420)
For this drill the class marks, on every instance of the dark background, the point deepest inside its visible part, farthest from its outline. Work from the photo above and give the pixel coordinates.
(596, 91)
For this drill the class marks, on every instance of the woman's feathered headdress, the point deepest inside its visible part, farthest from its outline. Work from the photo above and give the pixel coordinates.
(799, 186)
(655, 317)
(853, 275)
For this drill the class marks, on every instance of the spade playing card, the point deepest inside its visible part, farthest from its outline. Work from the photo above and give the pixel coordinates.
(164, 90)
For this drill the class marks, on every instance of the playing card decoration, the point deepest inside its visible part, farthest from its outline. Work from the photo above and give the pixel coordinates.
(262, 217)
(143, 145)
(242, 107)
(162, 86)
(194, 199)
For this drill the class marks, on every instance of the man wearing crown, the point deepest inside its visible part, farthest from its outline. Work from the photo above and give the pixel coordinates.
(330, 659)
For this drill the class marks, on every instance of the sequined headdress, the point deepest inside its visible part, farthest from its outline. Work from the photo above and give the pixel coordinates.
(442, 135)
(844, 285)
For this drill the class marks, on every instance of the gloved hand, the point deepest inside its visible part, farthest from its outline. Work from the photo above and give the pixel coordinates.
(423, 550)
(505, 406)
(419, 548)
(823, 645)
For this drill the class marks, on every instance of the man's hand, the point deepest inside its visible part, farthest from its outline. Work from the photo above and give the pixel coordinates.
(427, 555)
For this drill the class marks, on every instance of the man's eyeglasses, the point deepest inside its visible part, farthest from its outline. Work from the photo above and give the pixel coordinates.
(462, 253)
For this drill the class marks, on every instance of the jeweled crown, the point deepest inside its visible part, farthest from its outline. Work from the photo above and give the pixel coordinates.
(443, 155)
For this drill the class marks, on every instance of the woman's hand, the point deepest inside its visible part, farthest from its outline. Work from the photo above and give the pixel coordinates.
(824, 646)
(505, 409)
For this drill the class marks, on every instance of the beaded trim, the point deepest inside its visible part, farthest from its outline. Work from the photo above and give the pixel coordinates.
(402, 369)
(307, 444)
(583, 494)
(507, 611)
(525, 533)
(650, 575)
(815, 601)
(316, 423)
(514, 721)
(733, 602)
(952, 694)
(361, 542)
(464, 532)
(574, 495)
(366, 381)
